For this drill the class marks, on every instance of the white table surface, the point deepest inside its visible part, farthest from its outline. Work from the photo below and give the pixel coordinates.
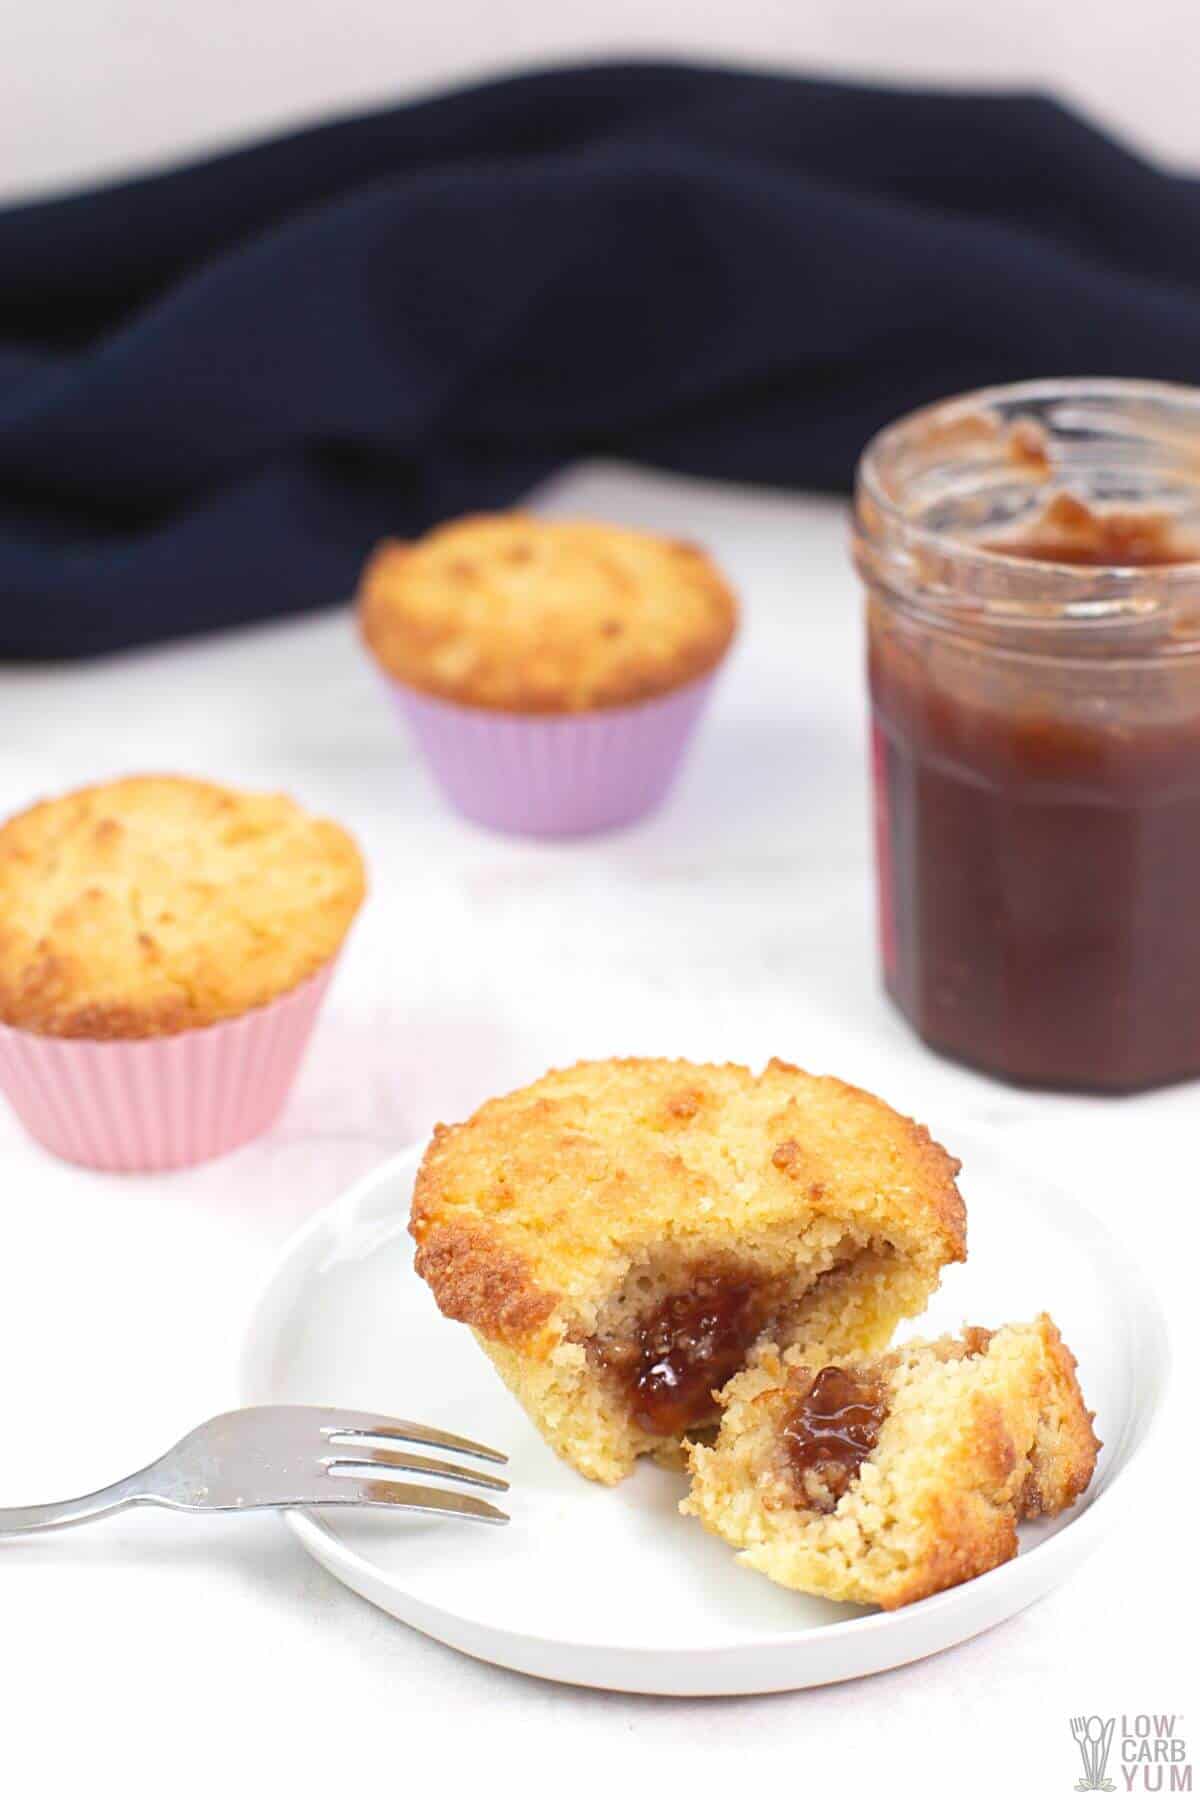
(213, 1657)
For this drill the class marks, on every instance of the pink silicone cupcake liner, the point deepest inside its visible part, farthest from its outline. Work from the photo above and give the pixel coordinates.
(160, 1103)
(555, 776)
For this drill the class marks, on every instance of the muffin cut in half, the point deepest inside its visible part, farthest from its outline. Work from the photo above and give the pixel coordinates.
(623, 1235)
(885, 1480)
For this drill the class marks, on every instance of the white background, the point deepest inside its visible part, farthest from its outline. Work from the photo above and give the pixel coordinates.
(91, 86)
(149, 1654)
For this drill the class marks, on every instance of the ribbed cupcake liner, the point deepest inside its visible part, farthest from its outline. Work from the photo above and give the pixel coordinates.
(160, 1102)
(560, 775)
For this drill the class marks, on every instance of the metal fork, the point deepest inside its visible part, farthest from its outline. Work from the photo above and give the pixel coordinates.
(287, 1456)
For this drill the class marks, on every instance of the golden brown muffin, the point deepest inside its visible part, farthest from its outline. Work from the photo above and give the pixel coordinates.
(526, 615)
(621, 1235)
(150, 905)
(884, 1481)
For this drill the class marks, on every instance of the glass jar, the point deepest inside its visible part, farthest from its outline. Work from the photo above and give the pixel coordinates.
(1032, 562)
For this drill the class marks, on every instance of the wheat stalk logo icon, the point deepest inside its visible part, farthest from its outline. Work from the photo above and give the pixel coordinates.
(1094, 1737)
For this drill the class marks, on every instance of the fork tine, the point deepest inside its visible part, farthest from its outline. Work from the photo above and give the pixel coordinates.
(403, 1497)
(413, 1464)
(352, 1425)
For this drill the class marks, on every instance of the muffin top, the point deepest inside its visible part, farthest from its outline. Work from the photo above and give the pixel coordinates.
(527, 615)
(548, 1194)
(150, 905)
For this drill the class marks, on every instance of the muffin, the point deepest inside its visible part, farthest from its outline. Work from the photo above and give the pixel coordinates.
(885, 1480)
(623, 1236)
(164, 947)
(552, 670)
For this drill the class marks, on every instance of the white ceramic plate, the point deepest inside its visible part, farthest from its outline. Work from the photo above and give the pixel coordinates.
(609, 1587)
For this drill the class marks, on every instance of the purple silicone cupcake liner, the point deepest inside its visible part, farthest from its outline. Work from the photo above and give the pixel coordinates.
(555, 776)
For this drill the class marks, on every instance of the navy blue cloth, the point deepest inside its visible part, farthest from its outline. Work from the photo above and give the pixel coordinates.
(219, 385)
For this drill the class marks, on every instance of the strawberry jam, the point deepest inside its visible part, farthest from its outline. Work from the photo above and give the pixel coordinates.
(830, 1432)
(1032, 562)
(688, 1345)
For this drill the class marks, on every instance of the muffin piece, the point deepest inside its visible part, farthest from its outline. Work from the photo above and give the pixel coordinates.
(147, 906)
(882, 1481)
(622, 1235)
(518, 614)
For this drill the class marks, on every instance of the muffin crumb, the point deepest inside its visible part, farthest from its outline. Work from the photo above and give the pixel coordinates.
(907, 1474)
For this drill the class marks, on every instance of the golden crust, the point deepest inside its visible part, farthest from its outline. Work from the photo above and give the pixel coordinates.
(981, 1432)
(557, 1217)
(478, 1281)
(157, 903)
(564, 1182)
(518, 614)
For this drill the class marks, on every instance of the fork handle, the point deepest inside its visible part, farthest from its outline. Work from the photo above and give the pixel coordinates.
(16, 1520)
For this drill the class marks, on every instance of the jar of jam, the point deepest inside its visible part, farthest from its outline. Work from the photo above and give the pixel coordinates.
(1032, 562)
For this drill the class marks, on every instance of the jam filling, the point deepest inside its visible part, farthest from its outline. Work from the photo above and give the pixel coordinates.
(1070, 531)
(829, 1433)
(689, 1344)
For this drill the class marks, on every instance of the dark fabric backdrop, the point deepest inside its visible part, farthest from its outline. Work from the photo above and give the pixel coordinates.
(219, 385)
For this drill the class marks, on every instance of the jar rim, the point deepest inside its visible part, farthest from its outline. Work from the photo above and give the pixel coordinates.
(970, 584)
